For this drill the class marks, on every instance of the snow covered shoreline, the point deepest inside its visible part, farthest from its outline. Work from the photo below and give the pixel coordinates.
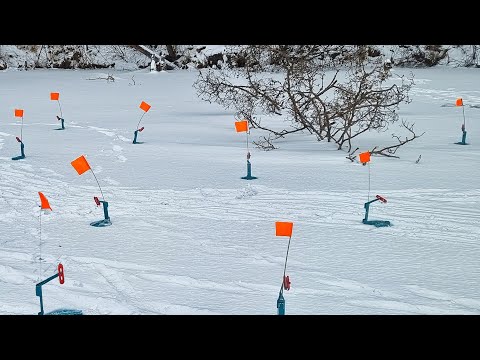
(124, 57)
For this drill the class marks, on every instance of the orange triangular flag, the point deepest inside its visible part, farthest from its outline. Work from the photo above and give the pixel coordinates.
(54, 96)
(364, 157)
(18, 112)
(45, 205)
(241, 125)
(459, 102)
(283, 228)
(144, 106)
(80, 164)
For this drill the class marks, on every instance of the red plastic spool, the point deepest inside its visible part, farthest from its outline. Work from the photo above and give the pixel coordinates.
(382, 199)
(96, 200)
(141, 129)
(286, 282)
(18, 139)
(61, 276)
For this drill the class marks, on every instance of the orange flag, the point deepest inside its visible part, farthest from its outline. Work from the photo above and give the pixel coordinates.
(459, 102)
(54, 96)
(283, 228)
(144, 106)
(80, 164)
(241, 125)
(45, 205)
(18, 112)
(364, 157)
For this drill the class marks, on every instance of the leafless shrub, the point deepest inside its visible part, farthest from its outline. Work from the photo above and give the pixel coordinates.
(334, 92)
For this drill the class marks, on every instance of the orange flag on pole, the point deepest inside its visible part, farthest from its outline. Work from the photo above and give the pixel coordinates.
(54, 96)
(364, 157)
(18, 113)
(80, 164)
(241, 125)
(283, 228)
(459, 102)
(45, 204)
(144, 106)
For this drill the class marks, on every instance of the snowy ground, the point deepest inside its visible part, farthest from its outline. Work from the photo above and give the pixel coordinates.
(190, 237)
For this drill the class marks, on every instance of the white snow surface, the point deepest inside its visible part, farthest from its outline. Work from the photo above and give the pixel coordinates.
(189, 236)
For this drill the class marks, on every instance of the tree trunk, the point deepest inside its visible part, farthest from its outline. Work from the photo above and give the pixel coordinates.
(171, 52)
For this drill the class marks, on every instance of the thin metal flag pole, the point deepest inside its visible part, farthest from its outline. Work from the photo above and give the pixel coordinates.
(286, 259)
(21, 131)
(98, 184)
(40, 259)
(463, 110)
(140, 120)
(368, 198)
(61, 114)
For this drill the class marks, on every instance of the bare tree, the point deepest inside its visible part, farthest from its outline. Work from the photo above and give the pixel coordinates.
(171, 52)
(334, 92)
(469, 57)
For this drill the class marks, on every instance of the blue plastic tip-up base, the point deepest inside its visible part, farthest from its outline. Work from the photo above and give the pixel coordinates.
(22, 152)
(63, 123)
(135, 133)
(101, 223)
(249, 172)
(377, 223)
(281, 304)
(65, 312)
(464, 139)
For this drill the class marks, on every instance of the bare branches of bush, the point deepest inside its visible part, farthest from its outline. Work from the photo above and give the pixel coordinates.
(390, 151)
(333, 92)
(109, 78)
(265, 142)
